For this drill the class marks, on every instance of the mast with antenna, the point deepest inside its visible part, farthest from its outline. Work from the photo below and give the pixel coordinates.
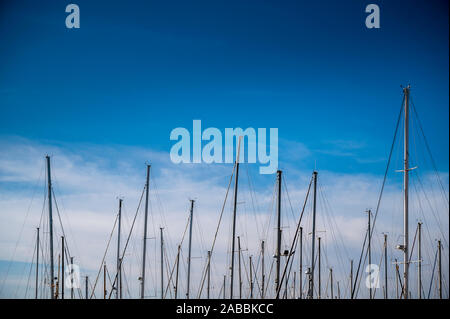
(190, 247)
(50, 223)
(405, 195)
(236, 178)
(144, 249)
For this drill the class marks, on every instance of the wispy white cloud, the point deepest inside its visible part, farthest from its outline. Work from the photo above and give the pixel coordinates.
(89, 178)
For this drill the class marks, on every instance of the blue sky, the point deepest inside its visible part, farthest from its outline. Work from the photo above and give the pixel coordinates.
(135, 71)
(103, 99)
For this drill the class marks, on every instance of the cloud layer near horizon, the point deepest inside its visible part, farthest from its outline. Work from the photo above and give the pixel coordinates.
(88, 179)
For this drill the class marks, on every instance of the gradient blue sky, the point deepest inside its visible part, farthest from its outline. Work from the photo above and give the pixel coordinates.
(137, 69)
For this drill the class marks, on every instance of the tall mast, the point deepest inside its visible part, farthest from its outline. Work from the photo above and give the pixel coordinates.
(311, 288)
(239, 267)
(386, 268)
(71, 278)
(104, 281)
(251, 277)
(119, 272)
(319, 257)
(144, 250)
(405, 196)
(419, 263)
(162, 263)
(50, 225)
(263, 275)
(331, 279)
(190, 246)
(351, 278)
(62, 267)
(300, 273)
(86, 287)
(278, 251)
(236, 179)
(370, 252)
(37, 263)
(176, 275)
(440, 269)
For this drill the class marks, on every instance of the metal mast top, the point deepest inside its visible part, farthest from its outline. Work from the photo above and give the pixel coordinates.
(311, 291)
(50, 225)
(278, 251)
(145, 233)
(236, 179)
(191, 218)
(405, 194)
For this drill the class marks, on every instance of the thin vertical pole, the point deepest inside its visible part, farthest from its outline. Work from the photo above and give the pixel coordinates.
(162, 263)
(405, 196)
(370, 253)
(300, 273)
(440, 269)
(50, 223)
(209, 275)
(263, 275)
(385, 268)
(419, 263)
(351, 278)
(104, 281)
(71, 278)
(331, 278)
(176, 275)
(86, 287)
(62, 267)
(119, 272)
(239, 268)
(278, 251)
(58, 278)
(251, 277)
(319, 257)
(144, 249)
(236, 179)
(311, 288)
(190, 246)
(37, 263)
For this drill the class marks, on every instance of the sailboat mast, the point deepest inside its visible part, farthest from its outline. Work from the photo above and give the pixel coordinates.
(319, 266)
(144, 250)
(311, 288)
(119, 284)
(263, 275)
(190, 246)
(50, 224)
(236, 179)
(251, 277)
(440, 269)
(370, 251)
(162, 263)
(37, 263)
(300, 273)
(278, 251)
(62, 267)
(405, 196)
(419, 262)
(239, 267)
(385, 268)
(176, 275)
